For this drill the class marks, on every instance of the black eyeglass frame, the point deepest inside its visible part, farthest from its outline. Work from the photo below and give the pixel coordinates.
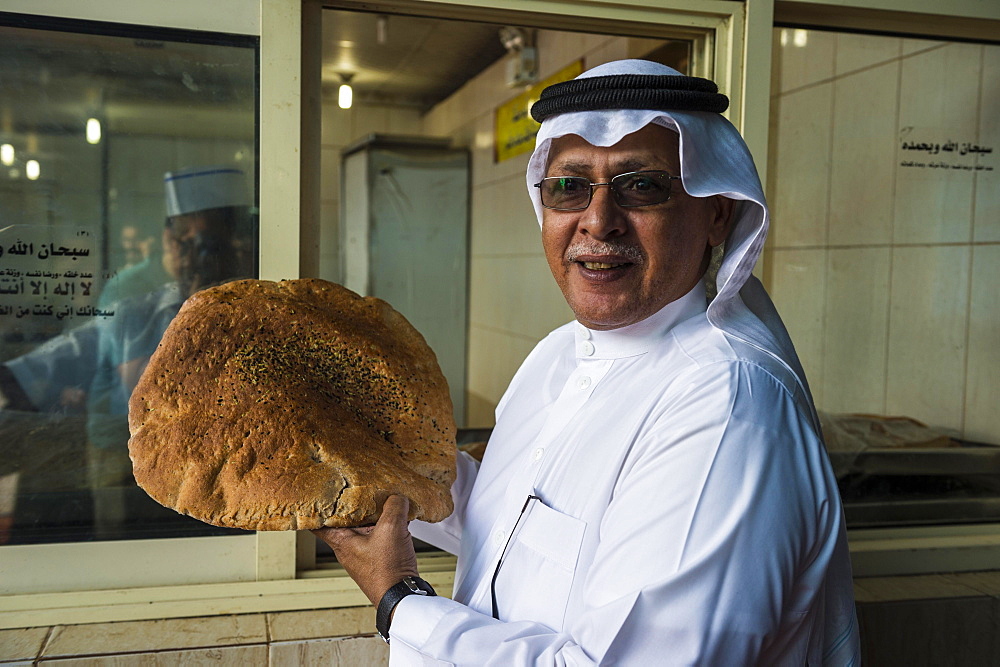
(611, 184)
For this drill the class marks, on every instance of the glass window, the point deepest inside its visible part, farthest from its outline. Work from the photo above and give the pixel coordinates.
(884, 173)
(127, 181)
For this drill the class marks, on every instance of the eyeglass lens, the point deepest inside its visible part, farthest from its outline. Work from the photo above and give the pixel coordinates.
(638, 188)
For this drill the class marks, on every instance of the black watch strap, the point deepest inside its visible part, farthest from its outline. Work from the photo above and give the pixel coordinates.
(408, 586)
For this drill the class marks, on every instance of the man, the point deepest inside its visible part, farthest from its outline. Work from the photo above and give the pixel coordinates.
(656, 490)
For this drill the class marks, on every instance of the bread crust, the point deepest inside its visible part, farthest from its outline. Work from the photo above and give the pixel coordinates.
(292, 405)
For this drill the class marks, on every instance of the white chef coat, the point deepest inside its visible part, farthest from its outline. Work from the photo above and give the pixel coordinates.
(685, 513)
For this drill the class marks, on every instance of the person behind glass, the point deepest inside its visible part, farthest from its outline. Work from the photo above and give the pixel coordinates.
(656, 490)
(207, 229)
(206, 235)
(91, 369)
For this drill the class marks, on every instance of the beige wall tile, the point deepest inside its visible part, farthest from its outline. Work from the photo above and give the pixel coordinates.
(927, 332)
(804, 65)
(614, 49)
(856, 326)
(800, 166)
(172, 633)
(404, 120)
(863, 157)
(356, 652)
(329, 241)
(484, 168)
(559, 49)
(856, 51)
(229, 656)
(329, 182)
(982, 418)
(367, 119)
(798, 288)
(516, 294)
(911, 46)
(503, 220)
(335, 123)
(321, 623)
(362, 652)
(934, 204)
(21, 643)
(987, 583)
(917, 587)
(494, 357)
(987, 220)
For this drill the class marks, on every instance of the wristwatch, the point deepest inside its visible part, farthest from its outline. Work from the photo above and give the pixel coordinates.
(408, 586)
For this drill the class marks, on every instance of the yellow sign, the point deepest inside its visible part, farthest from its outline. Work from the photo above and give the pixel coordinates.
(515, 128)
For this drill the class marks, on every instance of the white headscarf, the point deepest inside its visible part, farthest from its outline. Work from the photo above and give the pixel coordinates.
(714, 161)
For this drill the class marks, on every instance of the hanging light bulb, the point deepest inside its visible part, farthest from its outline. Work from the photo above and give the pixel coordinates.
(93, 131)
(32, 170)
(7, 155)
(345, 94)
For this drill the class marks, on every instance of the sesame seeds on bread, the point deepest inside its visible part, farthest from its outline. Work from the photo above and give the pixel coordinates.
(292, 405)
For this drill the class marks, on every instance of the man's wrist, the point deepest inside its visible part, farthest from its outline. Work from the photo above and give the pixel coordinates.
(410, 585)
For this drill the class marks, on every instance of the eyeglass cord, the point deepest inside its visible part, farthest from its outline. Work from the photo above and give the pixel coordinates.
(503, 552)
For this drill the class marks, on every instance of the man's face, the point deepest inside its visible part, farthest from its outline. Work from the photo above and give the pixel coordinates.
(617, 266)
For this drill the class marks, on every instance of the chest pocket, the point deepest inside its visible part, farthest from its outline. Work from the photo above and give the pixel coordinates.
(538, 571)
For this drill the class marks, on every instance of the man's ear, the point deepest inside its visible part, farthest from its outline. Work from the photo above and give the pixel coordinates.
(723, 209)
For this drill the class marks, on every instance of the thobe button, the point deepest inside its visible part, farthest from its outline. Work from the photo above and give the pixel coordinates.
(583, 382)
(498, 537)
(585, 332)
(586, 348)
(538, 454)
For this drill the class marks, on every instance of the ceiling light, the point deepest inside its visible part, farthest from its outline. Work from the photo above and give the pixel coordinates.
(345, 94)
(7, 155)
(93, 131)
(32, 170)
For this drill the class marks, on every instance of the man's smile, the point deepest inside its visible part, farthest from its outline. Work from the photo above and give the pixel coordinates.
(601, 266)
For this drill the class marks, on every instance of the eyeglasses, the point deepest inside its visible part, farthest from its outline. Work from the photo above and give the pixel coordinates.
(631, 190)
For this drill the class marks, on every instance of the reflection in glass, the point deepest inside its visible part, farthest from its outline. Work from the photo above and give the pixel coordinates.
(128, 183)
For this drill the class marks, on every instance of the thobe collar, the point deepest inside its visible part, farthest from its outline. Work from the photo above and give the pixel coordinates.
(638, 338)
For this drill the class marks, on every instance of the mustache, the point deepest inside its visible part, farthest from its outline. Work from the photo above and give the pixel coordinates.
(627, 251)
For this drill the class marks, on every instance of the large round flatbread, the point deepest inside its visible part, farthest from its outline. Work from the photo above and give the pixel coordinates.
(292, 405)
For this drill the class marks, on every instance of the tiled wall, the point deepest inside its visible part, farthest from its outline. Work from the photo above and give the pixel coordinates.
(329, 637)
(885, 274)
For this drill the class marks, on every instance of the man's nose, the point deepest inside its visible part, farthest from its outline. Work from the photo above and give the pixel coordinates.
(604, 218)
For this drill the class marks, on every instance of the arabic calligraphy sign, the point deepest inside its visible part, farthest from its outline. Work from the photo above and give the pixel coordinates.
(48, 274)
(928, 149)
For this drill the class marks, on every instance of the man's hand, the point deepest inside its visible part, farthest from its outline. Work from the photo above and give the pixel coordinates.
(377, 557)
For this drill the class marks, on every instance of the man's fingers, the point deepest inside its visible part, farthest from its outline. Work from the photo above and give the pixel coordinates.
(395, 510)
(336, 537)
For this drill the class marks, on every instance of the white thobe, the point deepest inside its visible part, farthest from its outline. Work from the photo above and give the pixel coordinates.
(683, 513)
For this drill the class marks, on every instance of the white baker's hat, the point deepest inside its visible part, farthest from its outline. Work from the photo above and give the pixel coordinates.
(202, 188)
